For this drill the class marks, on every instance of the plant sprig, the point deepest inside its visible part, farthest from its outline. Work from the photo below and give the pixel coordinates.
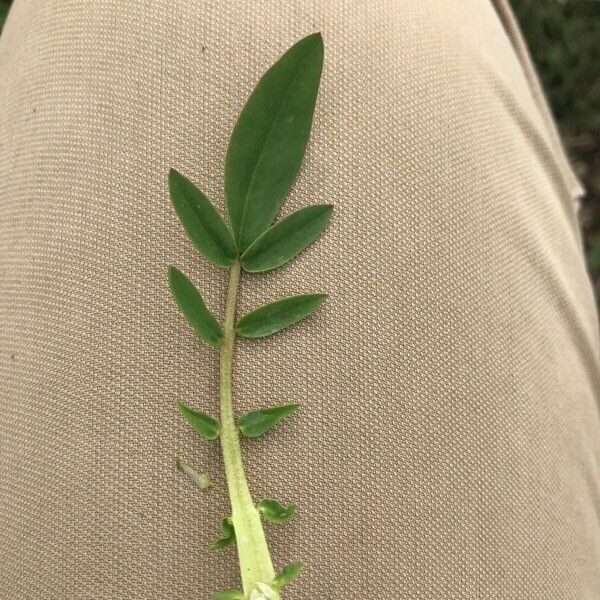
(264, 155)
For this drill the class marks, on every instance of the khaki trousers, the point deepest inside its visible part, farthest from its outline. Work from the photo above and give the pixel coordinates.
(448, 444)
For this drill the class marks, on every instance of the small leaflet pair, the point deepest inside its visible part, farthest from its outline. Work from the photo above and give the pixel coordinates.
(264, 155)
(272, 511)
(284, 576)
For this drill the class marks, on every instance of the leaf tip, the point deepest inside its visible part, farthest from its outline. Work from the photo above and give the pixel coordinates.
(183, 409)
(174, 177)
(317, 40)
(173, 272)
(317, 36)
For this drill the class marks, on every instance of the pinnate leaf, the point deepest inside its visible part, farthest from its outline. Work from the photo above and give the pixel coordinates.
(274, 317)
(204, 424)
(287, 574)
(228, 535)
(192, 305)
(286, 239)
(229, 595)
(269, 139)
(201, 221)
(257, 422)
(275, 512)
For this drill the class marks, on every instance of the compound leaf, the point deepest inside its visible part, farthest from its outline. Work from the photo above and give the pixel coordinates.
(284, 240)
(273, 317)
(204, 424)
(269, 139)
(201, 221)
(192, 305)
(275, 512)
(257, 422)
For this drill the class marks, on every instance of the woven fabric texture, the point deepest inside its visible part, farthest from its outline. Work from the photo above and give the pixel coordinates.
(449, 440)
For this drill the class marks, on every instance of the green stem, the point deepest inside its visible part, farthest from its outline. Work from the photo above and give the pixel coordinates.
(255, 561)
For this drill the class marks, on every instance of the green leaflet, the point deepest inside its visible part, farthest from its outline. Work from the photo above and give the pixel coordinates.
(204, 424)
(190, 303)
(287, 574)
(201, 221)
(229, 595)
(274, 317)
(257, 422)
(275, 512)
(228, 535)
(286, 239)
(269, 139)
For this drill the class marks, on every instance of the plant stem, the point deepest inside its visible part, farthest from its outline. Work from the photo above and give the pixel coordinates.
(255, 561)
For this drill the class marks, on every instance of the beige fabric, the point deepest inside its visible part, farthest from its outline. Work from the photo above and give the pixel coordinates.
(512, 29)
(449, 441)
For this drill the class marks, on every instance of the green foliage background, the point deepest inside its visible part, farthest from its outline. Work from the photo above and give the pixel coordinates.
(564, 40)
